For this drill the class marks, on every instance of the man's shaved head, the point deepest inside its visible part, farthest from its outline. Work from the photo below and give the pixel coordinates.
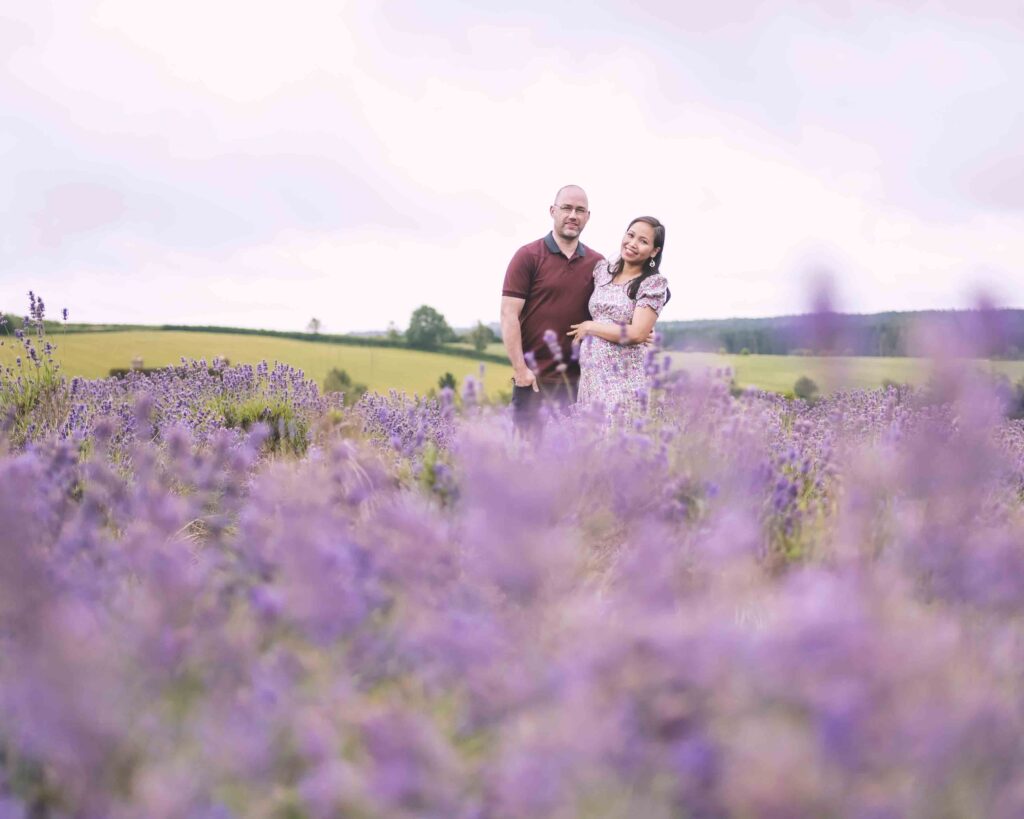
(569, 215)
(574, 189)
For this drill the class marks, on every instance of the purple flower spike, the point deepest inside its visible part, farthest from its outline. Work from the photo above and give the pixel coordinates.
(406, 608)
(554, 344)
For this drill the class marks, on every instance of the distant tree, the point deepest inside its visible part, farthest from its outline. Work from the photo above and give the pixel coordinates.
(427, 329)
(745, 351)
(314, 326)
(393, 333)
(480, 336)
(805, 388)
(446, 381)
(340, 381)
(337, 380)
(1016, 404)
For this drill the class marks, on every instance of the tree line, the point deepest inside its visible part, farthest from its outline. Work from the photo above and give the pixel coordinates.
(1000, 333)
(428, 330)
(997, 333)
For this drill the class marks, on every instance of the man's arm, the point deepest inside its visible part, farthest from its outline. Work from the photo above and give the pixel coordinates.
(512, 338)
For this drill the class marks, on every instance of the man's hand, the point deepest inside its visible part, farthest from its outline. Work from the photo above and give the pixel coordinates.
(525, 377)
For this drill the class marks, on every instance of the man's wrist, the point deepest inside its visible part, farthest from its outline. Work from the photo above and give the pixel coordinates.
(523, 376)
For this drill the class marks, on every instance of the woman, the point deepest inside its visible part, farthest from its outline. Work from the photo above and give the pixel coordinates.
(628, 295)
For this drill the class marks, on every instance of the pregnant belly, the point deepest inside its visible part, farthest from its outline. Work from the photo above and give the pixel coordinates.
(595, 350)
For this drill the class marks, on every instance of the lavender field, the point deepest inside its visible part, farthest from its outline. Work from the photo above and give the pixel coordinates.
(224, 594)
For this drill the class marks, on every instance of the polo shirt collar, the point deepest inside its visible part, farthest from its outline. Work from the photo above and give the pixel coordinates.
(549, 242)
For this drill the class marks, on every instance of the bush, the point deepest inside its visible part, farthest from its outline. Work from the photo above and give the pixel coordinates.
(1015, 402)
(805, 388)
(340, 381)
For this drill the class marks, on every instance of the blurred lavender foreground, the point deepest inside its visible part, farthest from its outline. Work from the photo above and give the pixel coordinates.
(222, 594)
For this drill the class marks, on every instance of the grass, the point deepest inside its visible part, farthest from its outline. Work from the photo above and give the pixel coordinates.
(92, 355)
(494, 348)
(778, 373)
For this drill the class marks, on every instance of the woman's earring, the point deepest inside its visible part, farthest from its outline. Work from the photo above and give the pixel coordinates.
(652, 261)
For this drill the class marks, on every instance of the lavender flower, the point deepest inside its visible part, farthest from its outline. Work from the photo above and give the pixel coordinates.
(414, 614)
(554, 344)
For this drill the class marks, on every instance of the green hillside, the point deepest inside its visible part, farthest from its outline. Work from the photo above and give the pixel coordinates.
(92, 355)
(778, 373)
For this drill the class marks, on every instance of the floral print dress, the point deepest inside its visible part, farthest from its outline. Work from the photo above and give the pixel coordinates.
(614, 375)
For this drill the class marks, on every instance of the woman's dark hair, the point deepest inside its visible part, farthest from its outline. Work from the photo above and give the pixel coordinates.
(659, 243)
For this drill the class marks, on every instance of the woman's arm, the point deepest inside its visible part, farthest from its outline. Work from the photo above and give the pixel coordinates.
(637, 332)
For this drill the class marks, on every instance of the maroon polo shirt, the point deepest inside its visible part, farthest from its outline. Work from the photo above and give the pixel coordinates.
(557, 291)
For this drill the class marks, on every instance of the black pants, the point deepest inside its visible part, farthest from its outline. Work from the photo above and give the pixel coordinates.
(529, 407)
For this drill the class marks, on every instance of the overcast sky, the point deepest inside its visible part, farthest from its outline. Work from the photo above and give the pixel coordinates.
(260, 163)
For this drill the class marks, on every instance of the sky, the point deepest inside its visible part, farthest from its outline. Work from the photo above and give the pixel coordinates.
(257, 164)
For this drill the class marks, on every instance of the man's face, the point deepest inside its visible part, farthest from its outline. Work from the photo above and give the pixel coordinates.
(570, 213)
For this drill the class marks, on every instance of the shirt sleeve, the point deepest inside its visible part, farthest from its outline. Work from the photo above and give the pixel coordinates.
(520, 274)
(653, 293)
(601, 272)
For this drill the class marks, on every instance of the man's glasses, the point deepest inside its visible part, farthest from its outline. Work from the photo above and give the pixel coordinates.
(567, 209)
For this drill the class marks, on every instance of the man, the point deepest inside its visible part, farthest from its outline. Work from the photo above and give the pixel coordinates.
(547, 286)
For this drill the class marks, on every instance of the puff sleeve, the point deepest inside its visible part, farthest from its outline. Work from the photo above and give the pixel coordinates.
(653, 293)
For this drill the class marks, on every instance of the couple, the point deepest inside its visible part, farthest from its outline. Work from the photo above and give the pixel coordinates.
(558, 292)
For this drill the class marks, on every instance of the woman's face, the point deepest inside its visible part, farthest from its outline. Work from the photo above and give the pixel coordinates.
(638, 243)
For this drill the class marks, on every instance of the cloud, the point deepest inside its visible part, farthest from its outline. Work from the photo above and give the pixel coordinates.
(248, 161)
(998, 183)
